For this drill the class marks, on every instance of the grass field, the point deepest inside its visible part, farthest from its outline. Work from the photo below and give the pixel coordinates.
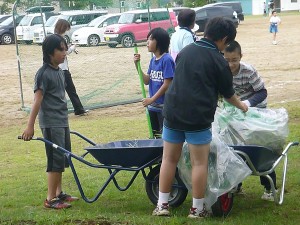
(22, 165)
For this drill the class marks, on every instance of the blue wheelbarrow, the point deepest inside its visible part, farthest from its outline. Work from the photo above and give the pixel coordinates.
(139, 156)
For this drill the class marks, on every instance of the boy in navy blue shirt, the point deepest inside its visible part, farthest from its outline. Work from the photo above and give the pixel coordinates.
(159, 76)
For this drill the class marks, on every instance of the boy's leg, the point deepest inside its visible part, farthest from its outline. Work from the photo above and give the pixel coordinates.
(265, 182)
(171, 155)
(199, 160)
(71, 91)
(54, 178)
(154, 123)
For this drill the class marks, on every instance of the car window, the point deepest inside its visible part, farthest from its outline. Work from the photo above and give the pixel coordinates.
(142, 17)
(215, 13)
(126, 18)
(112, 20)
(51, 21)
(37, 20)
(158, 16)
(80, 19)
(25, 21)
(201, 14)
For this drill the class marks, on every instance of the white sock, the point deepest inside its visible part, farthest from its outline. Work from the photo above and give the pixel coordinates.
(163, 198)
(198, 203)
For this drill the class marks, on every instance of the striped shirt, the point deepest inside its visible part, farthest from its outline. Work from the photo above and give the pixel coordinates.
(247, 82)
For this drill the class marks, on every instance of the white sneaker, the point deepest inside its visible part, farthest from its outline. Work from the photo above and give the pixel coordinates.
(274, 42)
(268, 195)
(195, 213)
(161, 210)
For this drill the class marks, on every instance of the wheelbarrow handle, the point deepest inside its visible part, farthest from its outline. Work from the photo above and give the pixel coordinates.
(33, 138)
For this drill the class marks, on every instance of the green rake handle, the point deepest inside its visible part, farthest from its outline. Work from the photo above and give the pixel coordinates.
(143, 91)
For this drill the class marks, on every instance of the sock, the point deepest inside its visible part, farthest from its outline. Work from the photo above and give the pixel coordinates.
(163, 198)
(198, 203)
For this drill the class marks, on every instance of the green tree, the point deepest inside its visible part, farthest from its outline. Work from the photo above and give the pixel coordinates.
(83, 4)
(5, 8)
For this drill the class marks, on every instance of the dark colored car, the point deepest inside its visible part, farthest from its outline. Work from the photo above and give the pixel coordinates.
(3, 17)
(236, 6)
(7, 34)
(204, 14)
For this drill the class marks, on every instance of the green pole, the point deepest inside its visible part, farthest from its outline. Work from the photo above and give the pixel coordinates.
(143, 91)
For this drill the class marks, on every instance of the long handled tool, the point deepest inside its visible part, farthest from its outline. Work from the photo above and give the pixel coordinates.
(143, 91)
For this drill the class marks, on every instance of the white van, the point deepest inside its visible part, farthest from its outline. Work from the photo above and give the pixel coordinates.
(92, 34)
(77, 19)
(29, 23)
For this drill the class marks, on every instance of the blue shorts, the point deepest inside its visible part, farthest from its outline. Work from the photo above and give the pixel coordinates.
(273, 29)
(200, 137)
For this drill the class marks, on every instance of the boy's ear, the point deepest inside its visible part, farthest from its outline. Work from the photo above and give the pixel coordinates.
(224, 39)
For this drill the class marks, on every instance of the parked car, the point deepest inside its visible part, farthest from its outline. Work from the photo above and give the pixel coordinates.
(92, 34)
(236, 6)
(204, 14)
(3, 17)
(7, 31)
(133, 26)
(29, 23)
(77, 19)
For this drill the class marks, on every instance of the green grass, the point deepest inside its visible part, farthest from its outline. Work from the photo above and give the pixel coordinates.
(23, 182)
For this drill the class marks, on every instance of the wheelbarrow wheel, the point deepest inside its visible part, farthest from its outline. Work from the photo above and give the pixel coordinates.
(177, 195)
(223, 205)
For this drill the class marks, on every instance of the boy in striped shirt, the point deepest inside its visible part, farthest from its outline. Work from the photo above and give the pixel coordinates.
(249, 86)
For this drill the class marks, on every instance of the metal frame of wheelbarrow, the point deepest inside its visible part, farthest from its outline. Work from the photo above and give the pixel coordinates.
(112, 169)
(270, 162)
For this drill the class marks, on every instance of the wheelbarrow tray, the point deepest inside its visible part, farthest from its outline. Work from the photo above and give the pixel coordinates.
(127, 153)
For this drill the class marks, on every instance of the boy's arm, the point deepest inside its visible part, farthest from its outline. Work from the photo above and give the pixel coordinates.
(159, 93)
(29, 131)
(257, 98)
(233, 100)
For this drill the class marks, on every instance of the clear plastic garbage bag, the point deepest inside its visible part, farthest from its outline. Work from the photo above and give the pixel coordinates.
(226, 170)
(262, 127)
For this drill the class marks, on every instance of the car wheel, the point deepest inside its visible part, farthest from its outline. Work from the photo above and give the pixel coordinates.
(6, 39)
(127, 41)
(112, 45)
(93, 40)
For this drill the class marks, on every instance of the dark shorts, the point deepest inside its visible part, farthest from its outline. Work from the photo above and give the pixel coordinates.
(56, 160)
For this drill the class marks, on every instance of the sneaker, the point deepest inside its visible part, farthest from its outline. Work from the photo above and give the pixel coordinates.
(195, 213)
(161, 210)
(56, 203)
(274, 42)
(82, 113)
(268, 195)
(67, 198)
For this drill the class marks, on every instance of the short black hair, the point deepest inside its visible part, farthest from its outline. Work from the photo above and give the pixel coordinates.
(218, 28)
(186, 17)
(162, 39)
(52, 42)
(234, 46)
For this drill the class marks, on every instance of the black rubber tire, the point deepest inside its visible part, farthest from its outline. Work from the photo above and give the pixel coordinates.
(127, 41)
(7, 39)
(223, 205)
(112, 45)
(177, 196)
(93, 40)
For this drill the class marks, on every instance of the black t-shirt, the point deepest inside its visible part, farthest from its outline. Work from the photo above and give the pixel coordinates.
(201, 74)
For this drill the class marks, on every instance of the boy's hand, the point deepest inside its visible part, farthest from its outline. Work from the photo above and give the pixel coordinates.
(147, 101)
(136, 58)
(243, 107)
(28, 134)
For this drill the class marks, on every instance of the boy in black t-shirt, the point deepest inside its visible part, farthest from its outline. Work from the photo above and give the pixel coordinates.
(201, 74)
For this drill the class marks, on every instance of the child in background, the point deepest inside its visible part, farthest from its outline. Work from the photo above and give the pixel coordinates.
(159, 76)
(250, 87)
(274, 22)
(184, 35)
(51, 106)
(201, 74)
(61, 27)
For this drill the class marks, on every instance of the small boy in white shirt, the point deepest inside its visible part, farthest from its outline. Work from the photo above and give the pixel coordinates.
(274, 22)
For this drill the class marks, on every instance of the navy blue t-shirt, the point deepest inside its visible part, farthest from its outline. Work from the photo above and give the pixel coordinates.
(159, 70)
